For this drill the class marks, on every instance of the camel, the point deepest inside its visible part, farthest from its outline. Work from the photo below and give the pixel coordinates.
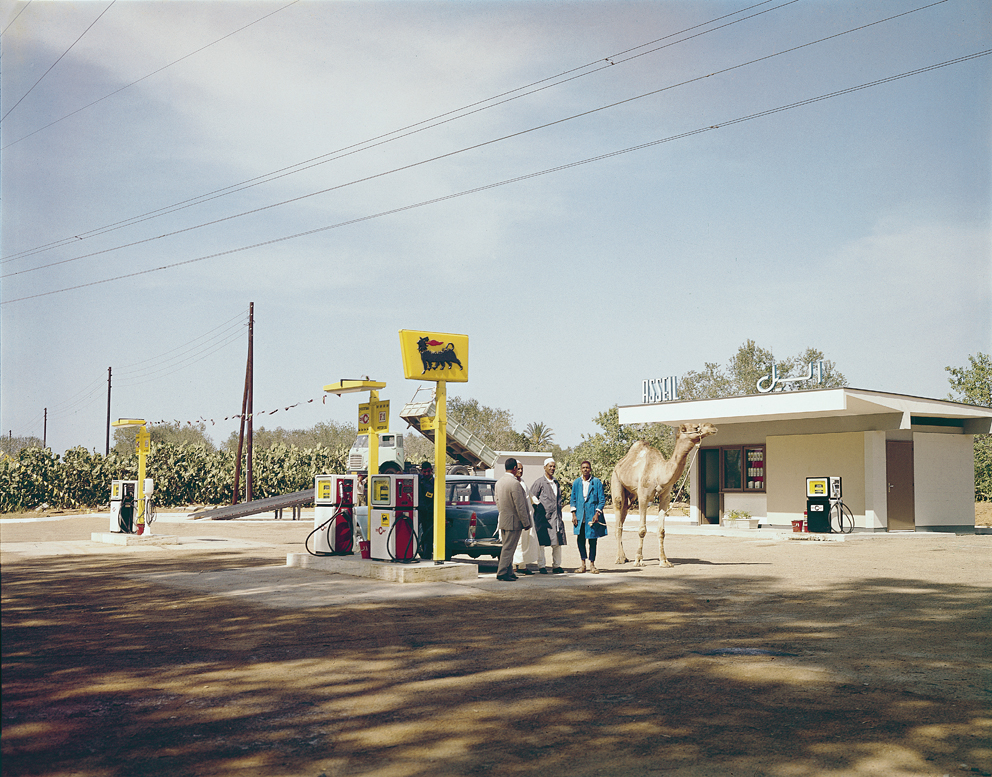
(646, 474)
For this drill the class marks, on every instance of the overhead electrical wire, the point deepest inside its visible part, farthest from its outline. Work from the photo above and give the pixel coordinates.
(403, 132)
(23, 7)
(239, 322)
(136, 374)
(171, 369)
(149, 75)
(468, 148)
(528, 176)
(59, 59)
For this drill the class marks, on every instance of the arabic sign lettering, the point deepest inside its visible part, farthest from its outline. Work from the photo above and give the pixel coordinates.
(773, 380)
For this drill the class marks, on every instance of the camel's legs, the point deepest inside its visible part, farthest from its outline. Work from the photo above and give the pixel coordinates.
(663, 559)
(664, 504)
(620, 511)
(642, 505)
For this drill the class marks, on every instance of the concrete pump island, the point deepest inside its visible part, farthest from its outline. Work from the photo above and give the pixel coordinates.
(368, 634)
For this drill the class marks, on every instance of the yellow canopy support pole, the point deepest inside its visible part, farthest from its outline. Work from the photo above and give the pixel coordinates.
(440, 458)
(373, 441)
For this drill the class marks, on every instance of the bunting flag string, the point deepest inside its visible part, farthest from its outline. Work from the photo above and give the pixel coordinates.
(256, 414)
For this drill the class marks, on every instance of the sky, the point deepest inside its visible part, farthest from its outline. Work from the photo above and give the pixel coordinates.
(595, 193)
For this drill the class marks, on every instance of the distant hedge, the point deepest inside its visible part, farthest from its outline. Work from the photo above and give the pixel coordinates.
(184, 474)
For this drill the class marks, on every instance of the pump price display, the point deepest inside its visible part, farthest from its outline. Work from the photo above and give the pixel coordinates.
(382, 490)
(324, 489)
(816, 486)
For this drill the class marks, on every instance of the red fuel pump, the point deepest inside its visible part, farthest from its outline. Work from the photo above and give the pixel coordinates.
(334, 516)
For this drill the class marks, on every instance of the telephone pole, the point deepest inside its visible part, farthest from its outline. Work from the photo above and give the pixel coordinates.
(109, 372)
(246, 415)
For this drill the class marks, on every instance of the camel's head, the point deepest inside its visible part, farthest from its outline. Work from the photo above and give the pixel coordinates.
(696, 432)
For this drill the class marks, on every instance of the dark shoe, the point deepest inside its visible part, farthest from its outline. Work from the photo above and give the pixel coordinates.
(543, 570)
(525, 571)
(557, 571)
(506, 578)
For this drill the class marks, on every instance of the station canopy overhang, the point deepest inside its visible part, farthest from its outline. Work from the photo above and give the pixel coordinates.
(818, 411)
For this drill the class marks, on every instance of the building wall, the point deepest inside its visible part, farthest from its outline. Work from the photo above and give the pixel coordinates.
(792, 459)
(876, 483)
(756, 504)
(533, 462)
(944, 475)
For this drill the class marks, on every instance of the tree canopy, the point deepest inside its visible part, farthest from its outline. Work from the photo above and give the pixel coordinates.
(747, 367)
(973, 385)
(174, 434)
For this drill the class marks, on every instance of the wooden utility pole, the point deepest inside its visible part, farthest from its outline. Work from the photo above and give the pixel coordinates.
(44, 434)
(246, 412)
(109, 373)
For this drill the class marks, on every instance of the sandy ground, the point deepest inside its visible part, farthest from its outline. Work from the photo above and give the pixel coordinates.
(752, 656)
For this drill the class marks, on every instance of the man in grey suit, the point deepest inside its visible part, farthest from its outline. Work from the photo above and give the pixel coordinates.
(514, 517)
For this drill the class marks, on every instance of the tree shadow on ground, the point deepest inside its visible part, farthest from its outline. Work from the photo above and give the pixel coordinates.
(106, 676)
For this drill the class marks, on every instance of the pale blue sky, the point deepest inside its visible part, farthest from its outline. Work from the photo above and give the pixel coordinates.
(857, 224)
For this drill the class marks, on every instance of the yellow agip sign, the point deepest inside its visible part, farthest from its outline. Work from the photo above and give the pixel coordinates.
(434, 356)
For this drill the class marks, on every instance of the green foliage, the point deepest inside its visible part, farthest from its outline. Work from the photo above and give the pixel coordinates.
(326, 434)
(493, 424)
(973, 386)
(28, 479)
(172, 434)
(184, 474)
(417, 448)
(12, 445)
(539, 435)
(747, 366)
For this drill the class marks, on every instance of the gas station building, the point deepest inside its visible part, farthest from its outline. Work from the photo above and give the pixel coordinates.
(906, 463)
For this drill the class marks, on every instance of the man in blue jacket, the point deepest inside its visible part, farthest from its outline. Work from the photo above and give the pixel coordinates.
(588, 521)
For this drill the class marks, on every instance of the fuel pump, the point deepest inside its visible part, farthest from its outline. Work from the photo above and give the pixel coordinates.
(122, 504)
(818, 504)
(334, 516)
(147, 508)
(392, 517)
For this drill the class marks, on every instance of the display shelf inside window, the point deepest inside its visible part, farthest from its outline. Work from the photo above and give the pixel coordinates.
(754, 469)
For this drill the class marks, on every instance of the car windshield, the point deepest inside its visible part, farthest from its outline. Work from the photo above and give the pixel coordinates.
(464, 493)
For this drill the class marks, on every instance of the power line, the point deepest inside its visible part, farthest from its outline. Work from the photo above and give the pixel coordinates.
(59, 59)
(398, 134)
(469, 148)
(200, 355)
(238, 321)
(154, 72)
(528, 176)
(23, 7)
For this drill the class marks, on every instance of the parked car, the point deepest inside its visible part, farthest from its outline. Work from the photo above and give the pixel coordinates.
(470, 526)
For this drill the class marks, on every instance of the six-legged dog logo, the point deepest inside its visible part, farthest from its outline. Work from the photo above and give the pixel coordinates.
(440, 359)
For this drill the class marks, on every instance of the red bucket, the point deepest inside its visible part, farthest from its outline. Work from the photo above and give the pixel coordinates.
(797, 526)
(363, 547)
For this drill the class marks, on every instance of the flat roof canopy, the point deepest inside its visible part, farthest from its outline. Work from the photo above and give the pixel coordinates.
(859, 409)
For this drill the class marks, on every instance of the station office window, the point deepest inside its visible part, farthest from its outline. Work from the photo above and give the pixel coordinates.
(742, 468)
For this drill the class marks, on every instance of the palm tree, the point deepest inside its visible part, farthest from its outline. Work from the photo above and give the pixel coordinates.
(539, 434)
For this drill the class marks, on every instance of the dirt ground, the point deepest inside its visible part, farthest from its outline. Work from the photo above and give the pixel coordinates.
(752, 656)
